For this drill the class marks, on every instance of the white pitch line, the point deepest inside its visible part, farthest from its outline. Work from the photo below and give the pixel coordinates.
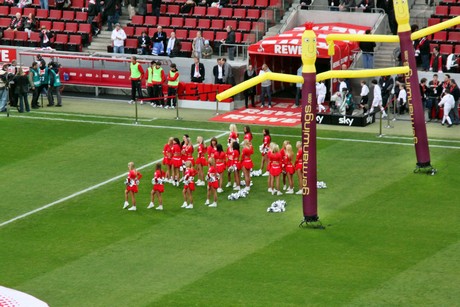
(86, 190)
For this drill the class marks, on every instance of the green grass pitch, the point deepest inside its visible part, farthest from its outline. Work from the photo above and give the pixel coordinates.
(392, 237)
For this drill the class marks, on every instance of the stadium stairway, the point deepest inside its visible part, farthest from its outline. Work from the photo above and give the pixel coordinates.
(420, 12)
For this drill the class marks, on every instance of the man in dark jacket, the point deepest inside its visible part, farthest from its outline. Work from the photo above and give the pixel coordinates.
(231, 39)
(109, 13)
(197, 72)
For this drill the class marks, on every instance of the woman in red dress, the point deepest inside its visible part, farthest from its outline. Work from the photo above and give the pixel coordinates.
(234, 166)
(219, 157)
(187, 151)
(167, 156)
(233, 137)
(189, 185)
(247, 133)
(289, 167)
(247, 163)
(211, 148)
(176, 161)
(213, 183)
(283, 155)
(158, 188)
(200, 160)
(264, 148)
(132, 182)
(275, 159)
(298, 165)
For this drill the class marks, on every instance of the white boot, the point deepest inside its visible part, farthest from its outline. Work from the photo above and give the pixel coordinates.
(125, 205)
(151, 205)
(133, 208)
(184, 205)
(160, 207)
(189, 206)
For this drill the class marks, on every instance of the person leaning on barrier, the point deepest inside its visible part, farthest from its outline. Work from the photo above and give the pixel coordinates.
(347, 5)
(173, 84)
(231, 39)
(366, 6)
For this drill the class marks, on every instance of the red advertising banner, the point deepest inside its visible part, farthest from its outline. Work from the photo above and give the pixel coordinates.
(7, 54)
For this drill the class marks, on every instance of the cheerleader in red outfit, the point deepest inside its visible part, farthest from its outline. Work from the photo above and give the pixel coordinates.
(167, 159)
(236, 166)
(200, 160)
(219, 157)
(283, 155)
(298, 165)
(211, 148)
(176, 161)
(247, 163)
(189, 185)
(229, 165)
(213, 183)
(264, 148)
(247, 133)
(187, 151)
(233, 137)
(275, 159)
(132, 182)
(158, 188)
(289, 167)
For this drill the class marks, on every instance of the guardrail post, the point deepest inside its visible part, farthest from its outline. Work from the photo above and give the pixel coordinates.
(177, 108)
(135, 108)
(217, 104)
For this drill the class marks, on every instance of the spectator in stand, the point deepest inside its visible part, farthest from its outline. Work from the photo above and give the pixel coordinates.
(158, 78)
(455, 91)
(44, 4)
(143, 42)
(434, 94)
(387, 6)
(333, 5)
(366, 6)
(304, 4)
(24, 3)
(118, 39)
(92, 13)
(21, 90)
(159, 42)
(386, 85)
(30, 24)
(45, 37)
(228, 77)
(423, 49)
(197, 72)
(266, 87)
(347, 5)
(218, 72)
(197, 45)
(230, 40)
(55, 85)
(207, 50)
(109, 13)
(141, 8)
(188, 6)
(60, 4)
(132, 4)
(17, 23)
(249, 73)
(156, 8)
(436, 61)
(173, 84)
(174, 46)
(367, 49)
(10, 2)
(136, 74)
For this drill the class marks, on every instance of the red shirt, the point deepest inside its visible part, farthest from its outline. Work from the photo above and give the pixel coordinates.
(176, 150)
(275, 158)
(211, 150)
(201, 150)
(189, 174)
(167, 151)
(247, 152)
(248, 136)
(267, 140)
(298, 157)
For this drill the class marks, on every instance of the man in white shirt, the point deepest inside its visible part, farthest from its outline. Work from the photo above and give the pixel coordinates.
(118, 39)
(363, 104)
(448, 102)
(377, 102)
(266, 87)
(402, 99)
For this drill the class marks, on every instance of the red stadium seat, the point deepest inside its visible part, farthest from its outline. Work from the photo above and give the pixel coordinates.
(226, 12)
(71, 27)
(457, 49)
(177, 22)
(204, 23)
(55, 15)
(168, 31)
(75, 43)
(190, 23)
(8, 37)
(14, 10)
(433, 21)
(239, 13)
(220, 35)
(81, 17)
(86, 31)
(58, 26)
(131, 45)
(181, 34)
(164, 21)
(238, 37)
(129, 31)
(445, 49)
(187, 47)
(199, 11)
(248, 3)
(138, 31)
(440, 36)
(68, 16)
(78, 4)
(212, 12)
(192, 34)
(441, 10)
(27, 10)
(150, 21)
(4, 10)
(21, 38)
(454, 11)
(232, 23)
(47, 23)
(137, 20)
(5, 22)
(60, 43)
(253, 14)
(262, 4)
(245, 25)
(173, 10)
(41, 14)
(258, 26)
(209, 35)
(34, 40)
(217, 24)
(249, 38)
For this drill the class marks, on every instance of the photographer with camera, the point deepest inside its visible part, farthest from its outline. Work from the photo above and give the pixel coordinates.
(21, 90)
